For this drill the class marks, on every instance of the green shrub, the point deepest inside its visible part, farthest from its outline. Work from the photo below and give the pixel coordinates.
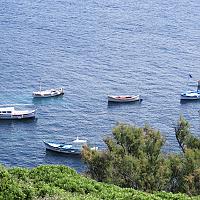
(63, 183)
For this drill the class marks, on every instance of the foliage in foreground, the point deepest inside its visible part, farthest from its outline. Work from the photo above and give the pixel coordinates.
(61, 182)
(134, 159)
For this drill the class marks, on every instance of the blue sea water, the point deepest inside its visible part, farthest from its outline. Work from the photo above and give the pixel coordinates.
(92, 49)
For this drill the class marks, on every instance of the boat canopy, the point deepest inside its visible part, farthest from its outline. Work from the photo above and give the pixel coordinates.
(7, 109)
(77, 141)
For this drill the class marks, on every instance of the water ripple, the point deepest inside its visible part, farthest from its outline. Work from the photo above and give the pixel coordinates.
(94, 49)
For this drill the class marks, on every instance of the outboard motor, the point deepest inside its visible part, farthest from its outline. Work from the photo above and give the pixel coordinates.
(198, 86)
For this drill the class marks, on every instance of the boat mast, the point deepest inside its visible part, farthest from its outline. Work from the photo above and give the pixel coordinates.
(198, 86)
(40, 86)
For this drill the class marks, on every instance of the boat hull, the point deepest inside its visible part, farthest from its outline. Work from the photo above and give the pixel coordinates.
(48, 93)
(189, 98)
(123, 99)
(190, 95)
(60, 149)
(46, 96)
(75, 148)
(20, 116)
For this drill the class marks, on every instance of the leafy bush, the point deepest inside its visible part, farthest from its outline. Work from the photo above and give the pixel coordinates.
(63, 183)
(134, 159)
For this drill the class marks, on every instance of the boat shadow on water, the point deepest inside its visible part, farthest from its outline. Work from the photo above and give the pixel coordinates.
(113, 104)
(196, 101)
(50, 153)
(17, 121)
(56, 158)
(38, 101)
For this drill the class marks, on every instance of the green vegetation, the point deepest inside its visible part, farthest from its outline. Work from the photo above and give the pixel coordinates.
(60, 182)
(134, 159)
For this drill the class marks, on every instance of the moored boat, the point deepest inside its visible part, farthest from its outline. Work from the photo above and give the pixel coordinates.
(48, 93)
(13, 113)
(124, 98)
(74, 147)
(191, 95)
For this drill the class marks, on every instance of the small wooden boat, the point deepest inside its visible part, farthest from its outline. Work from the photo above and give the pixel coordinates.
(75, 147)
(123, 99)
(13, 113)
(48, 93)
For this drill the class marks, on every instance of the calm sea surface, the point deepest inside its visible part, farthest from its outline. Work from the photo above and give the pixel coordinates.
(94, 48)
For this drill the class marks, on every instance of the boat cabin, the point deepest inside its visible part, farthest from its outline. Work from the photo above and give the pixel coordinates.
(12, 113)
(7, 110)
(79, 143)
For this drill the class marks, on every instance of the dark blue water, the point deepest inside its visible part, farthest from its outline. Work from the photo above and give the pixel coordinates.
(92, 49)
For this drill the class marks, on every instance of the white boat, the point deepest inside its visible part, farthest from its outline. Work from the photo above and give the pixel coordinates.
(191, 95)
(13, 113)
(122, 99)
(48, 93)
(75, 147)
